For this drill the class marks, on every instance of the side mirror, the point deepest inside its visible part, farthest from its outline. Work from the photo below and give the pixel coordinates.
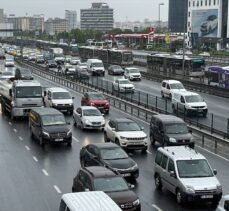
(214, 171)
(142, 128)
(45, 93)
(10, 92)
(172, 174)
(87, 189)
(73, 98)
(131, 186)
(226, 205)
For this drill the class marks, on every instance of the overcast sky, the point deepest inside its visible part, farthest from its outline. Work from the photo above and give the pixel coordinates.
(123, 9)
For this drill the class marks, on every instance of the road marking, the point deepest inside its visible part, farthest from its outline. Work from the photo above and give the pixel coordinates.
(45, 172)
(75, 139)
(57, 189)
(149, 152)
(34, 158)
(10, 123)
(27, 147)
(15, 130)
(156, 207)
(20, 138)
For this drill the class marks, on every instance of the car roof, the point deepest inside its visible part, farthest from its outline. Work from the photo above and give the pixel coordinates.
(168, 118)
(100, 171)
(46, 111)
(105, 145)
(95, 60)
(88, 107)
(181, 153)
(57, 89)
(172, 81)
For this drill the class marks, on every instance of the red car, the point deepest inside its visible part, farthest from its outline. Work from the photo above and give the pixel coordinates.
(97, 100)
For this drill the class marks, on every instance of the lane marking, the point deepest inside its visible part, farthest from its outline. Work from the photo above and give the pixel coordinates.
(75, 139)
(149, 152)
(156, 207)
(20, 138)
(15, 130)
(57, 189)
(34, 158)
(10, 123)
(45, 172)
(27, 147)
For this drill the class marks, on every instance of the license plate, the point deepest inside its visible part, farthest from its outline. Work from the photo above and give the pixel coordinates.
(59, 139)
(207, 197)
(126, 175)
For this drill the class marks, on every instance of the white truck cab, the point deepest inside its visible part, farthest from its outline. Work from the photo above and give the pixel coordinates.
(95, 67)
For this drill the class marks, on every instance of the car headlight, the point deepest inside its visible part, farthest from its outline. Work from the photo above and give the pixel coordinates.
(136, 202)
(192, 139)
(107, 104)
(69, 132)
(103, 121)
(54, 104)
(134, 167)
(173, 140)
(219, 188)
(45, 133)
(122, 137)
(188, 106)
(190, 189)
(87, 122)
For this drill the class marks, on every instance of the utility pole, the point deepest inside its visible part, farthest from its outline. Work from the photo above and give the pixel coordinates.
(183, 59)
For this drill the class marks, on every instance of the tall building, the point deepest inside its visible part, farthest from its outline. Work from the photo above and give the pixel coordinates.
(19, 23)
(208, 23)
(178, 15)
(71, 18)
(98, 17)
(36, 23)
(1, 15)
(57, 25)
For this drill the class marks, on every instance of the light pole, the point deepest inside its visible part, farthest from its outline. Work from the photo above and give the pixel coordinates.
(183, 56)
(159, 15)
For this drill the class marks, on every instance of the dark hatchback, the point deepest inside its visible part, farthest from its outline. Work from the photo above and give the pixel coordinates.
(97, 100)
(51, 64)
(99, 178)
(109, 155)
(48, 125)
(115, 70)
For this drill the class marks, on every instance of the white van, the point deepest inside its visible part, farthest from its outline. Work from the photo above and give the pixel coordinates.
(95, 67)
(88, 201)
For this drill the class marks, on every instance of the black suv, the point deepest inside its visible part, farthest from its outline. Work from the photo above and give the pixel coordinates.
(99, 178)
(49, 125)
(170, 130)
(110, 155)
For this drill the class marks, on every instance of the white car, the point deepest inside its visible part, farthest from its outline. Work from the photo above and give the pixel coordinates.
(9, 62)
(209, 25)
(132, 73)
(170, 86)
(75, 61)
(68, 58)
(205, 54)
(69, 69)
(126, 133)
(189, 103)
(123, 85)
(7, 75)
(88, 117)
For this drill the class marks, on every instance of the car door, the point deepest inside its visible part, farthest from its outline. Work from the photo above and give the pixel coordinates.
(110, 126)
(163, 171)
(83, 100)
(171, 176)
(79, 182)
(167, 89)
(38, 127)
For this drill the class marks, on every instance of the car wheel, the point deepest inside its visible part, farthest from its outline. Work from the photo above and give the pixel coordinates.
(180, 197)
(152, 140)
(106, 138)
(162, 94)
(174, 109)
(157, 180)
(117, 142)
(144, 149)
(205, 114)
(81, 126)
(170, 96)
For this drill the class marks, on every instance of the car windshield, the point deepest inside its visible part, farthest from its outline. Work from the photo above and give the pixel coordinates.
(133, 70)
(110, 184)
(113, 153)
(97, 97)
(97, 64)
(124, 82)
(116, 67)
(49, 120)
(91, 112)
(31, 91)
(174, 128)
(194, 168)
(128, 126)
(177, 86)
(194, 99)
(61, 95)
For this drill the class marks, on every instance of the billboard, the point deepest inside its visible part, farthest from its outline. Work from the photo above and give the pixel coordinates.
(205, 22)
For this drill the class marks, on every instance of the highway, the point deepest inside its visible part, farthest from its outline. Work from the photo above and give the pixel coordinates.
(34, 179)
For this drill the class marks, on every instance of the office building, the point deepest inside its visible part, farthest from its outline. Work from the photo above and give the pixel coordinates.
(71, 18)
(177, 20)
(36, 23)
(98, 17)
(1, 15)
(54, 26)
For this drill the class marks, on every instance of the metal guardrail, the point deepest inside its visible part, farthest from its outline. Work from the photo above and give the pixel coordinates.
(190, 85)
(132, 106)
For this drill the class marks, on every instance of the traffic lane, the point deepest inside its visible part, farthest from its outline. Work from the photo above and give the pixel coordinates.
(24, 186)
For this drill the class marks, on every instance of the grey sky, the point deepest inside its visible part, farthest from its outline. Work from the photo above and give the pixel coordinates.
(123, 9)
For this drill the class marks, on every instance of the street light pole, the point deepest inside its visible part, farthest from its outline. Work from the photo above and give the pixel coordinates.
(159, 16)
(183, 59)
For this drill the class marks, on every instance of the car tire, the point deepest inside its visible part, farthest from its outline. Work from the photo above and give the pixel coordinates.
(170, 96)
(173, 108)
(205, 114)
(73, 189)
(69, 144)
(74, 122)
(157, 180)
(152, 139)
(117, 142)
(144, 150)
(31, 134)
(180, 197)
